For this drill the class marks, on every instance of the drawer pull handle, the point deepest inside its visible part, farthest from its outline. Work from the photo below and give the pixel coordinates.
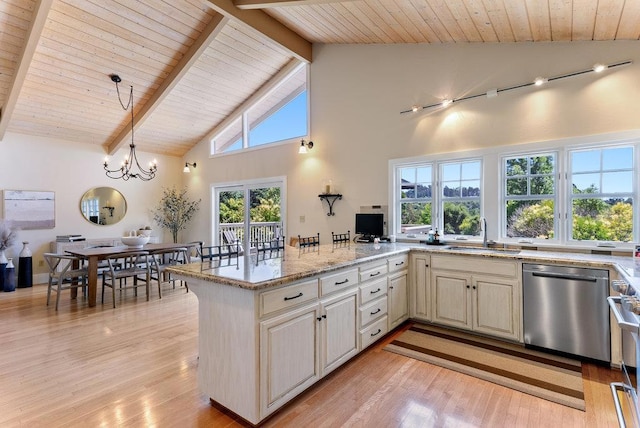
(399, 264)
(374, 292)
(374, 274)
(342, 282)
(373, 313)
(376, 333)
(294, 297)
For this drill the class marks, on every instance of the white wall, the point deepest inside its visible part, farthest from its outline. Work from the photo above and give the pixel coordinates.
(70, 169)
(358, 91)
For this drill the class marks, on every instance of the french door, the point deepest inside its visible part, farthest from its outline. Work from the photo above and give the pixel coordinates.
(248, 212)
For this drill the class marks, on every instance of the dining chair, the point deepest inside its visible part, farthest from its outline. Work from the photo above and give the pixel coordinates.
(341, 237)
(134, 264)
(309, 241)
(194, 250)
(163, 259)
(63, 275)
(229, 237)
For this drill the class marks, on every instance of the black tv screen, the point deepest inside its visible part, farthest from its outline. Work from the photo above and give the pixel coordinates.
(370, 225)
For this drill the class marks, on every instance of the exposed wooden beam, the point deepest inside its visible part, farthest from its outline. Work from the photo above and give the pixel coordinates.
(264, 4)
(288, 70)
(195, 51)
(267, 25)
(40, 14)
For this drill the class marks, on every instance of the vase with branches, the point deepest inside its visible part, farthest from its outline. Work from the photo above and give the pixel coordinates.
(8, 237)
(175, 210)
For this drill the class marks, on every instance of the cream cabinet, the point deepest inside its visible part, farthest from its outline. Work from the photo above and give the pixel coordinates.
(477, 293)
(289, 349)
(398, 289)
(420, 286)
(338, 327)
(398, 304)
(373, 302)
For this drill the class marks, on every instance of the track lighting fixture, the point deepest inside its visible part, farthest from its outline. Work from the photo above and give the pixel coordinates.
(597, 68)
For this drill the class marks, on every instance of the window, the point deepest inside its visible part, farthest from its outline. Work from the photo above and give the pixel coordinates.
(458, 201)
(415, 203)
(602, 193)
(281, 114)
(530, 196)
(566, 194)
(460, 197)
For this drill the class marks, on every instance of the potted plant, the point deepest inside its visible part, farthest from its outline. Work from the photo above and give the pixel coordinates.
(175, 210)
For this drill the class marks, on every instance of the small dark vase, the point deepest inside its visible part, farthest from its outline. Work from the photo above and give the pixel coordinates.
(10, 277)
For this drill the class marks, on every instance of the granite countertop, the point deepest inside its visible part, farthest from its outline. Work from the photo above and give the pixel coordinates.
(250, 273)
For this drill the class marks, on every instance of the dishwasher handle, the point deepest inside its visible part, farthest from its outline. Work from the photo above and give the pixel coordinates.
(564, 276)
(614, 301)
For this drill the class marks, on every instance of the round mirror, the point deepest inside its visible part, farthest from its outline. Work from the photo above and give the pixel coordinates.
(103, 206)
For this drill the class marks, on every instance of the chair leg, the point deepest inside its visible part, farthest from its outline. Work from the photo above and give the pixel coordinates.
(147, 284)
(113, 291)
(159, 286)
(49, 291)
(58, 293)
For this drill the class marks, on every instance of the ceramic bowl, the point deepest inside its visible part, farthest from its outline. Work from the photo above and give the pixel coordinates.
(134, 241)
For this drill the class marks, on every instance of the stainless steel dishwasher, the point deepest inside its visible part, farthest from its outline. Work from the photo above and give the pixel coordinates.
(566, 310)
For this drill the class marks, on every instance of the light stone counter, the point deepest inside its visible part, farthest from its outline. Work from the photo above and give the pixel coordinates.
(247, 272)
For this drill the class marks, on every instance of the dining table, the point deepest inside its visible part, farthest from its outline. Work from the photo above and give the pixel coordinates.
(93, 255)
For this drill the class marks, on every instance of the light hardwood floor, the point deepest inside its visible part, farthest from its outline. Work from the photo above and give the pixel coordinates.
(135, 366)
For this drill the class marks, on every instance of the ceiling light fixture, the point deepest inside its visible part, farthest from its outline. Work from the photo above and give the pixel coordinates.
(597, 68)
(126, 171)
(304, 146)
(539, 81)
(187, 165)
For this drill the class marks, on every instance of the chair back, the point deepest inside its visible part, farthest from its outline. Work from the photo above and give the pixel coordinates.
(341, 237)
(129, 263)
(309, 241)
(61, 265)
(194, 251)
(169, 257)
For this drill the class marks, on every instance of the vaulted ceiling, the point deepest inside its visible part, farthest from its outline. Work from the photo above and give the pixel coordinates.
(192, 63)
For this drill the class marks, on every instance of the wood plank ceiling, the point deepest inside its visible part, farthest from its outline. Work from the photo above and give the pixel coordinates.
(194, 62)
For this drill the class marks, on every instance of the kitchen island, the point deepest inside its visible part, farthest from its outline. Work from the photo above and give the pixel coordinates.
(270, 328)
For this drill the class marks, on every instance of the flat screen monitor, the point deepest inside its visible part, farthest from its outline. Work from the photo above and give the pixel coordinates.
(370, 225)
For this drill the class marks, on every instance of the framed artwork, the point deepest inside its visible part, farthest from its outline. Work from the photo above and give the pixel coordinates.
(30, 209)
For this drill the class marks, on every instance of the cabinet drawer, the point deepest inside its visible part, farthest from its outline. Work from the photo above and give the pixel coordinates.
(286, 297)
(372, 311)
(373, 289)
(338, 281)
(398, 263)
(375, 331)
(373, 270)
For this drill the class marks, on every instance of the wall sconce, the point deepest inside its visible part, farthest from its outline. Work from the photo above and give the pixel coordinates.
(304, 146)
(187, 165)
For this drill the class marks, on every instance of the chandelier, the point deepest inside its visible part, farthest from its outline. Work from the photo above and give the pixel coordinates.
(126, 170)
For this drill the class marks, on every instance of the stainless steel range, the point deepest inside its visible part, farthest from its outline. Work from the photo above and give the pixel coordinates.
(626, 309)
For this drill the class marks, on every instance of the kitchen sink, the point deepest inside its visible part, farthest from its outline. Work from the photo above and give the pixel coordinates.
(484, 250)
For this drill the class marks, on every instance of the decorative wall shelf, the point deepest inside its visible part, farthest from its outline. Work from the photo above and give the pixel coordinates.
(331, 198)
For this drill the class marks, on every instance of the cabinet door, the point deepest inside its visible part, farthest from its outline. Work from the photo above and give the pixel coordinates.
(450, 299)
(339, 330)
(495, 307)
(420, 287)
(288, 351)
(398, 308)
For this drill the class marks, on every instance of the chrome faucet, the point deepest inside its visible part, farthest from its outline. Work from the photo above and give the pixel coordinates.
(483, 227)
